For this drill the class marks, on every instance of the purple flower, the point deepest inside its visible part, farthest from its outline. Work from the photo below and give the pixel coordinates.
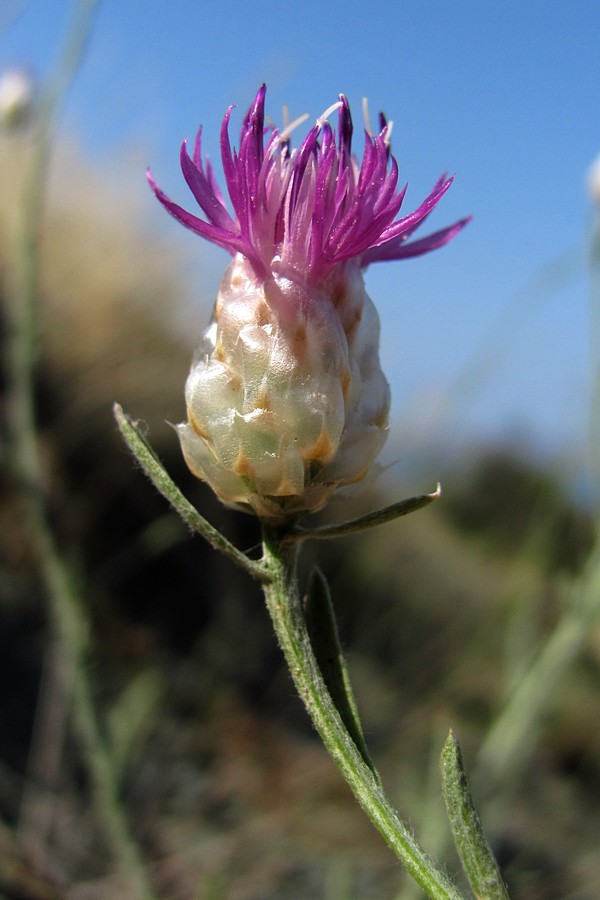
(300, 213)
(286, 400)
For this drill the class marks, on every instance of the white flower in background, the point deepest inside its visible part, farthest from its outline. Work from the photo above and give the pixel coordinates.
(16, 96)
(594, 180)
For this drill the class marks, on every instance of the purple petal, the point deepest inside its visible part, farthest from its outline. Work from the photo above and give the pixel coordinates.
(400, 248)
(408, 224)
(314, 207)
(203, 191)
(344, 127)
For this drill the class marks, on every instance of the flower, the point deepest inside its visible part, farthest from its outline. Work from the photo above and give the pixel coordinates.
(593, 179)
(16, 97)
(286, 399)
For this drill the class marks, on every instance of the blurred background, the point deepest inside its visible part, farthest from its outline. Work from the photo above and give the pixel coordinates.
(489, 351)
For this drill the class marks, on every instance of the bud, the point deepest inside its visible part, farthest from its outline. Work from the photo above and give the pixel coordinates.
(594, 181)
(286, 399)
(16, 97)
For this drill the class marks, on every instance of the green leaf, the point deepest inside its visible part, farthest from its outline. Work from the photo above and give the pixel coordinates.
(132, 715)
(154, 469)
(370, 520)
(322, 629)
(474, 851)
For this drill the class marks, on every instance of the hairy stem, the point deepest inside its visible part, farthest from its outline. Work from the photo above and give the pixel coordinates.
(285, 606)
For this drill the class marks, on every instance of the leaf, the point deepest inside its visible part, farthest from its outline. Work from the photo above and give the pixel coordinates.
(370, 520)
(144, 453)
(324, 637)
(474, 851)
(132, 714)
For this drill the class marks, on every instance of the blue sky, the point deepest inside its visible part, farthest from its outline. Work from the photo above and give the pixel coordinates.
(503, 94)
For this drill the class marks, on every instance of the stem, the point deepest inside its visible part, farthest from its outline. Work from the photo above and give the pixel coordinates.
(68, 623)
(285, 606)
(512, 735)
(69, 626)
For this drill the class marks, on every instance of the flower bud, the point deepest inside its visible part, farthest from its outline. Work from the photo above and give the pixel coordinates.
(16, 97)
(286, 399)
(594, 181)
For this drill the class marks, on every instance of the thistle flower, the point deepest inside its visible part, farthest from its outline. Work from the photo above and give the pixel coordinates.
(286, 399)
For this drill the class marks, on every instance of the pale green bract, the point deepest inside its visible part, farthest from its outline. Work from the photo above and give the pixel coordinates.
(286, 399)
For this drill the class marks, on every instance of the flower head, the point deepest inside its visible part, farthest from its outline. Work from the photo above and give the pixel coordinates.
(286, 399)
(302, 212)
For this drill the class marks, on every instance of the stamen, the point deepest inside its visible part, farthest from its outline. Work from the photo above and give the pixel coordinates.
(288, 126)
(324, 116)
(366, 119)
(388, 133)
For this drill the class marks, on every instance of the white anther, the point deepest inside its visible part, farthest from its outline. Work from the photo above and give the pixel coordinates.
(324, 116)
(288, 126)
(367, 121)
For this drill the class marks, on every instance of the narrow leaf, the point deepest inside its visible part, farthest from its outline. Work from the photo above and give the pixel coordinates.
(160, 478)
(131, 716)
(474, 851)
(322, 629)
(370, 520)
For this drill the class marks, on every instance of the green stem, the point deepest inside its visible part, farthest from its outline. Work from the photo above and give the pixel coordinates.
(285, 606)
(68, 623)
(70, 635)
(511, 737)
